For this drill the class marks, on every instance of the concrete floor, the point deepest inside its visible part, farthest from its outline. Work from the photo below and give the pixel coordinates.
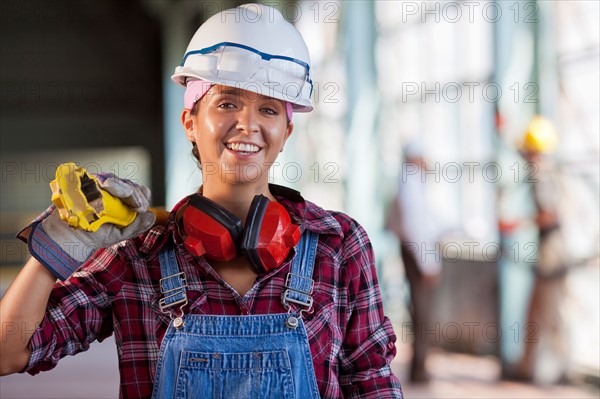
(92, 374)
(465, 376)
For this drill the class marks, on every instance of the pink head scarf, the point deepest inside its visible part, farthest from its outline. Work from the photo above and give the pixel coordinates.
(196, 89)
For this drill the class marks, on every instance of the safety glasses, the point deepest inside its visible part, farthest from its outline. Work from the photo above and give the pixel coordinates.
(239, 63)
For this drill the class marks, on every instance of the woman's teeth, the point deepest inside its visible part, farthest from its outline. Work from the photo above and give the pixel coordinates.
(242, 147)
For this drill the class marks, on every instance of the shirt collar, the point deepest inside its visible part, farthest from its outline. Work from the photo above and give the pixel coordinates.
(304, 213)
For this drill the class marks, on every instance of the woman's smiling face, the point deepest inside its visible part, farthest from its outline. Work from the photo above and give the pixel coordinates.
(238, 134)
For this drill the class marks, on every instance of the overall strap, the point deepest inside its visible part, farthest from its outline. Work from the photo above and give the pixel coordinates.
(299, 282)
(173, 282)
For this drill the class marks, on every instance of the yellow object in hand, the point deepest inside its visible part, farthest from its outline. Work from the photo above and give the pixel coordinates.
(83, 204)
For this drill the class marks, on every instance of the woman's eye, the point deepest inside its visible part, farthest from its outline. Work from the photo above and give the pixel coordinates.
(226, 105)
(269, 111)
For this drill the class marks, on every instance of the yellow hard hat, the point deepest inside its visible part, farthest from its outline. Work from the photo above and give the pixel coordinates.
(541, 136)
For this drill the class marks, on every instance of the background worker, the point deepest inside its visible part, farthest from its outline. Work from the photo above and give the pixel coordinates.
(413, 219)
(545, 331)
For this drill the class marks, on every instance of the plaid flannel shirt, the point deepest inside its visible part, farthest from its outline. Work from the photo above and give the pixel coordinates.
(117, 291)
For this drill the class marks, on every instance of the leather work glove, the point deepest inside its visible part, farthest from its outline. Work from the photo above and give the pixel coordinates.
(62, 249)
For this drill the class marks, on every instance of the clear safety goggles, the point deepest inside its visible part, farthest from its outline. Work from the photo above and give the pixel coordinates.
(239, 63)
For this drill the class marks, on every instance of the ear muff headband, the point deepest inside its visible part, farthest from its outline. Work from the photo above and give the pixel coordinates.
(214, 232)
(250, 239)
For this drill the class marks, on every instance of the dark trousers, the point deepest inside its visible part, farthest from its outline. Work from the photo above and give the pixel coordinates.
(421, 295)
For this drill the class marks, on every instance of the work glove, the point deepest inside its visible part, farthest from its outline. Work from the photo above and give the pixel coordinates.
(62, 249)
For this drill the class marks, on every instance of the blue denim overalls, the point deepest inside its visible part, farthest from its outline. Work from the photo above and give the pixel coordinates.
(237, 357)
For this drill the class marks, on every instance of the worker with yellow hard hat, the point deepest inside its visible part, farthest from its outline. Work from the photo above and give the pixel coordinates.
(539, 140)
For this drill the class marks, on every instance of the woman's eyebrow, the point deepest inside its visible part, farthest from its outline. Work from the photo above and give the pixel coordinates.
(253, 96)
(230, 92)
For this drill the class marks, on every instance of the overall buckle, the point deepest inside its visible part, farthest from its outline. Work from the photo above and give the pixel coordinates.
(299, 290)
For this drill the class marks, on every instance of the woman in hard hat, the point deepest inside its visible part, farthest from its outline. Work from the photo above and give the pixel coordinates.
(248, 290)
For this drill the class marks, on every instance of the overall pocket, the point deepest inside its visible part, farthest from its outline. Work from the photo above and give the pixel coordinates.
(227, 375)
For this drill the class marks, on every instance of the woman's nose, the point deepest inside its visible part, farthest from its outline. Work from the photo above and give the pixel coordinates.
(248, 120)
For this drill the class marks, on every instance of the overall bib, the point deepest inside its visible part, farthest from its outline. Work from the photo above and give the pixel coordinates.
(237, 357)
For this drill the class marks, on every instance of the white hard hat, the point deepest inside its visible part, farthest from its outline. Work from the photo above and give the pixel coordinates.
(251, 47)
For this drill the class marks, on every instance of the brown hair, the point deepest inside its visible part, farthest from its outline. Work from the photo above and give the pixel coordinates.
(195, 151)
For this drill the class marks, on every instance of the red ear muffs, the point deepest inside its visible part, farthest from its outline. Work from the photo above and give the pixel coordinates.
(211, 230)
(269, 234)
(265, 240)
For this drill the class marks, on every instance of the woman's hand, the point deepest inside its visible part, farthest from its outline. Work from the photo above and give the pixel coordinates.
(62, 249)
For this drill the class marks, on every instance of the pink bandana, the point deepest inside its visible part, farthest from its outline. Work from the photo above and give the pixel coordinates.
(289, 110)
(194, 91)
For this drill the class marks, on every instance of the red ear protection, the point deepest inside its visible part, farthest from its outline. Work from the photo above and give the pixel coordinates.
(214, 232)
(211, 230)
